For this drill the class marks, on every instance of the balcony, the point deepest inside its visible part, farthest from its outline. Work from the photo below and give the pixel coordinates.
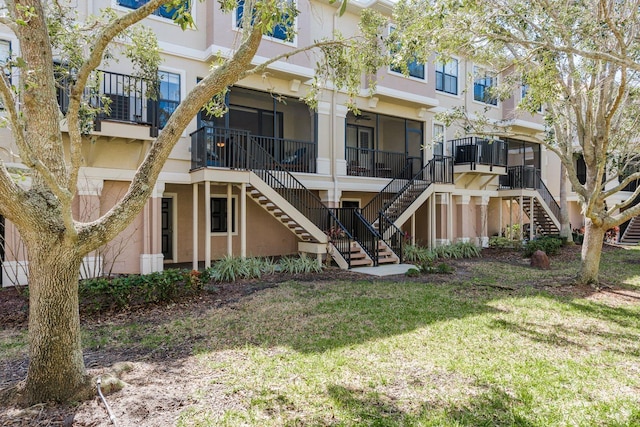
(479, 154)
(380, 164)
(122, 99)
(235, 149)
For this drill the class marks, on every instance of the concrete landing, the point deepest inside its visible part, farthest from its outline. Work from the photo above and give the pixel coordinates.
(384, 270)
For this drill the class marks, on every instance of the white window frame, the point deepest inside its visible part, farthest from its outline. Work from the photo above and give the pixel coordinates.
(294, 43)
(410, 77)
(478, 71)
(444, 137)
(115, 5)
(459, 88)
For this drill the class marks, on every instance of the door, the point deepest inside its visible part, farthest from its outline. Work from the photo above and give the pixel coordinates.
(414, 150)
(167, 228)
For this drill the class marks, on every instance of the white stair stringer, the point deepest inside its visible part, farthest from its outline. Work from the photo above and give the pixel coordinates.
(283, 211)
(414, 206)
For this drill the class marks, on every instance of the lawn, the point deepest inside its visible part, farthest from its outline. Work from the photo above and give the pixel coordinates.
(496, 344)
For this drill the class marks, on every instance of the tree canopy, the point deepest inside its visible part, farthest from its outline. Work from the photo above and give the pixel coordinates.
(579, 60)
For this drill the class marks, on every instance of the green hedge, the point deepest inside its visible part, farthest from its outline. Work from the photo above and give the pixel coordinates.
(101, 293)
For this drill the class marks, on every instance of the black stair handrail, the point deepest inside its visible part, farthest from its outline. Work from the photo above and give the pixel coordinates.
(391, 234)
(429, 174)
(260, 162)
(547, 197)
(399, 185)
(368, 237)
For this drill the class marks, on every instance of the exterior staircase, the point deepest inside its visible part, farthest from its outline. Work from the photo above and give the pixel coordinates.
(540, 215)
(539, 205)
(631, 235)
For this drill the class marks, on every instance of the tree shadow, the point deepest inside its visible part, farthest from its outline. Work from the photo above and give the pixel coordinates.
(491, 408)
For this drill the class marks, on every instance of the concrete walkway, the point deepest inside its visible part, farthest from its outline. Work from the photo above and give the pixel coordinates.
(384, 270)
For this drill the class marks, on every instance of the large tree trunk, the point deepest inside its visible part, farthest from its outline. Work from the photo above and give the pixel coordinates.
(56, 369)
(565, 225)
(591, 251)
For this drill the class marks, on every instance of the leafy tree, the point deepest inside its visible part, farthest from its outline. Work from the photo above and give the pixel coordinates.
(57, 241)
(580, 60)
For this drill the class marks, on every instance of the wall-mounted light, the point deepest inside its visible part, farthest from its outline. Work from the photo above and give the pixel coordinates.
(220, 144)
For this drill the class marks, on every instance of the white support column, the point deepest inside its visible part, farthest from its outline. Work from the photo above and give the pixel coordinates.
(207, 224)
(243, 220)
(229, 220)
(532, 220)
(151, 259)
(484, 221)
(433, 212)
(89, 192)
(195, 226)
(500, 217)
(323, 162)
(413, 229)
(449, 217)
(520, 232)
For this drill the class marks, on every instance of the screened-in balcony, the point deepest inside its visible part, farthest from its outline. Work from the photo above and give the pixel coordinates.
(240, 149)
(379, 164)
(123, 98)
(479, 154)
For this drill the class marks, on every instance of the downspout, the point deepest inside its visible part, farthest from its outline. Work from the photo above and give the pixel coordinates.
(334, 158)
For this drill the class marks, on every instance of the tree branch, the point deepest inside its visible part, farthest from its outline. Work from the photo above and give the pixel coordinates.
(104, 38)
(92, 235)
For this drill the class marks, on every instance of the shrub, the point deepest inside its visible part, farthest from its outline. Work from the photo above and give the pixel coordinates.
(444, 268)
(229, 268)
(300, 264)
(467, 250)
(550, 246)
(412, 272)
(99, 294)
(504, 243)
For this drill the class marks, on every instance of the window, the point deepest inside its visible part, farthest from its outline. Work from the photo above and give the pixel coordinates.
(483, 85)
(163, 11)
(447, 76)
(168, 95)
(5, 55)
(523, 96)
(438, 139)
(219, 214)
(414, 68)
(282, 31)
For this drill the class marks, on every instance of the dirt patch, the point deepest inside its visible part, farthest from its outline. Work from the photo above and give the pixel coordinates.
(163, 381)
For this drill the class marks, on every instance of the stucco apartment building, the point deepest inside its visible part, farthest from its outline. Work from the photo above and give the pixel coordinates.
(273, 177)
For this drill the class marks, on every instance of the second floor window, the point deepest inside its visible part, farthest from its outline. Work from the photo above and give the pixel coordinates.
(5, 55)
(483, 85)
(163, 11)
(414, 68)
(447, 76)
(281, 31)
(168, 95)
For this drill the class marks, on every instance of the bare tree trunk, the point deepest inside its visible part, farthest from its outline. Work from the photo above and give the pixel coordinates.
(565, 225)
(591, 251)
(56, 369)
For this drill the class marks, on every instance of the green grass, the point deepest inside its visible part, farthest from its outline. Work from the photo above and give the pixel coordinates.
(377, 353)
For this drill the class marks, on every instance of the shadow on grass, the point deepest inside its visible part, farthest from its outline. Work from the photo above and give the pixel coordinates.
(491, 408)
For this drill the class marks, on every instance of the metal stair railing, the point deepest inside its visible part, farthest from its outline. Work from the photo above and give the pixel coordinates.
(391, 234)
(260, 162)
(547, 197)
(361, 230)
(437, 170)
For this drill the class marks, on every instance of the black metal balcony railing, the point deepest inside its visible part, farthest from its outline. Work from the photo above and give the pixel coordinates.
(521, 177)
(437, 170)
(121, 98)
(216, 147)
(374, 163)
(479, 151)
